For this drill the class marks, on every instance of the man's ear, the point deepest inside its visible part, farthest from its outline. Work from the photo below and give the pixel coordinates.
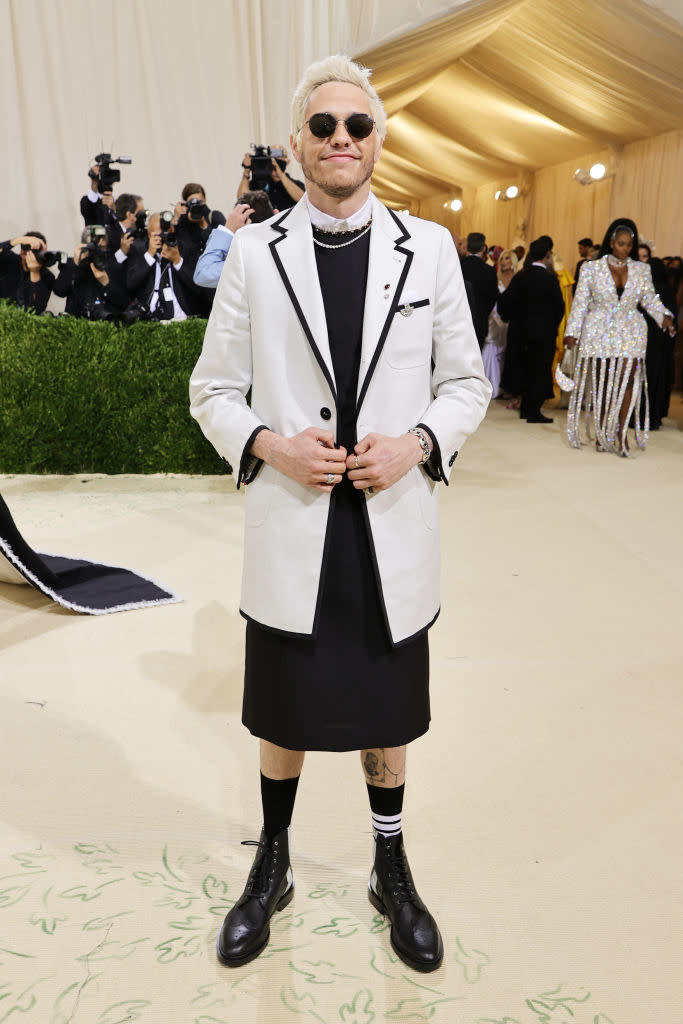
(294, 148)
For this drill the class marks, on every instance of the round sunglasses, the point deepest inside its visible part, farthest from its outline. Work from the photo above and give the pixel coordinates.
(359, 126)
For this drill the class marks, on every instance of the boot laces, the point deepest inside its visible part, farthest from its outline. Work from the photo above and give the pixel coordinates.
(263, 867)
(399, 875)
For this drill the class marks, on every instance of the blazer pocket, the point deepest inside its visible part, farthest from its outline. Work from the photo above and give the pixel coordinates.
(409, 342)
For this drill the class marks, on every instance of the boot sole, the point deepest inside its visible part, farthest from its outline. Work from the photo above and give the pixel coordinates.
(417, 965)
(240, 961)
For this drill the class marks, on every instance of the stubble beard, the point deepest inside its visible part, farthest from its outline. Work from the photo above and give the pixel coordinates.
(339, 191)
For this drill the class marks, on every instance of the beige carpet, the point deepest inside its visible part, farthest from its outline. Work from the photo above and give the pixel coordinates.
(542, 809)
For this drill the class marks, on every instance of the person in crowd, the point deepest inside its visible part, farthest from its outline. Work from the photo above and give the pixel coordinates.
(91, 282)
(253, 208)
(659, 355)
(97, 207)
(493, 352)
(342, 450)
(494, 255)
(644, 252)
(461, 246)
(283, 191)
(160, 278)
(194, 221)
(533, 303)
(484, 283)
(585, 245)
(519, 252)
(120, 238)
(612, 338)
(23, 278)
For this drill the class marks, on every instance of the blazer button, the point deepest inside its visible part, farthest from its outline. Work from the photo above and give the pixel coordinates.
(452, 458)
(325, 413)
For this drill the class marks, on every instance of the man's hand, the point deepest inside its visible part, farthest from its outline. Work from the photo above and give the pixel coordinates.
(33, 265)
(31, 240)
(126, 243)
(100, 275)
(238, 217)
(171, 252)
(310, 457)
(154, 243)
(78, 253)
(179, 210)
(277, 170)
(380, 461)
(108, 200)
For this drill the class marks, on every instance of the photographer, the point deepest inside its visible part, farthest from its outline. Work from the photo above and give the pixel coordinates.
(160, 278)
(24, 277)
(97, 207)
(194, 221)
(91, 281)
(266, 169)
(127, 226)
(252, 208)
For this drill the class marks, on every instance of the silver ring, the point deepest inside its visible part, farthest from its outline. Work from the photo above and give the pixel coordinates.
(356, 458)
(330, 478)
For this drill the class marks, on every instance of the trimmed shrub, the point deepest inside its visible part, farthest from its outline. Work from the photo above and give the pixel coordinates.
(82, 397)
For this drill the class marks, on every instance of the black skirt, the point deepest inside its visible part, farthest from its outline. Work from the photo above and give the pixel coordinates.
(345, 688)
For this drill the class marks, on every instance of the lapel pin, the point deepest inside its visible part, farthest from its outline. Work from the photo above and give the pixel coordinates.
(386, 290)
(407, 309)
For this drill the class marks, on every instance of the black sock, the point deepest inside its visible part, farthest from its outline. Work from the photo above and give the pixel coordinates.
(277, 797)
(386, 805)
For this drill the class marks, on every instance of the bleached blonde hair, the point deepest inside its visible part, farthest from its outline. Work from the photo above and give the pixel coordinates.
(513, 260)
(338, 68)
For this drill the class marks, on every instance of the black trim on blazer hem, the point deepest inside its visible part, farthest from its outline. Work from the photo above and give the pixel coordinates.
(312, 636)
(248, 471)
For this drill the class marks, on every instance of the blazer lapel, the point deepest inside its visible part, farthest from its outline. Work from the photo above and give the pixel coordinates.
(388, 267)
(292, 250)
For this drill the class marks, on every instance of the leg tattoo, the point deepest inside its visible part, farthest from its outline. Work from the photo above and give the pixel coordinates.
(377, 771)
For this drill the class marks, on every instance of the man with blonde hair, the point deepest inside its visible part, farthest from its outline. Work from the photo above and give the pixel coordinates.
(351, 328)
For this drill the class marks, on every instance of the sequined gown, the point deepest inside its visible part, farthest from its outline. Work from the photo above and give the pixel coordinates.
(612, 338)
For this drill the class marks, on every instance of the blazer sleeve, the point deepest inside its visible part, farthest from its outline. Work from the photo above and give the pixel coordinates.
(581, 301)
(459, 385)
(649, 299)
(221, 379)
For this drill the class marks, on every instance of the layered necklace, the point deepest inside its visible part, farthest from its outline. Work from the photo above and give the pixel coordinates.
(614, 261)
(357, 233)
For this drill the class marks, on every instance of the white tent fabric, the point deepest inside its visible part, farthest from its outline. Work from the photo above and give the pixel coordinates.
(481, 93)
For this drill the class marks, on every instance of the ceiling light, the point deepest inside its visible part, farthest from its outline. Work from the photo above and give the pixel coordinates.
(498, 194)
(512, 192)
(598, 172)
(456, 205)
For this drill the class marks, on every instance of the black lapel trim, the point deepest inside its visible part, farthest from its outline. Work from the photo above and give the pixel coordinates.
(276, 226)
(405, 235)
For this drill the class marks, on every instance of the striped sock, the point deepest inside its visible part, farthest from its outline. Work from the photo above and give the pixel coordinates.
(386, 806)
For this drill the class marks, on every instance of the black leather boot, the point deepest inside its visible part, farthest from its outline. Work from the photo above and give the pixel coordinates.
(414, 934)
(270, 887)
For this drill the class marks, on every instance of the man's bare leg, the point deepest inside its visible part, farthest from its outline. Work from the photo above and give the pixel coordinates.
(384, 766)
(279, 762)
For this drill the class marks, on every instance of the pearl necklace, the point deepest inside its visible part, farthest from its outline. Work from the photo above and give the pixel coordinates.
(341, 245)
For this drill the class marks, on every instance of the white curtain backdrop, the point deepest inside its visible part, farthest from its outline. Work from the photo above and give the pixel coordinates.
(183, 90)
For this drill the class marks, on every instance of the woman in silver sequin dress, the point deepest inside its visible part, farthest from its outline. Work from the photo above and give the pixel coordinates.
(612, 336)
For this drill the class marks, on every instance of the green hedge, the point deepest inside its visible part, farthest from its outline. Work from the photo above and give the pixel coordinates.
(81, 397)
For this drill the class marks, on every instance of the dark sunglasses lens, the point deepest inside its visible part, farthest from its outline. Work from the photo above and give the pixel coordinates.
(322, 125)
(359, 125)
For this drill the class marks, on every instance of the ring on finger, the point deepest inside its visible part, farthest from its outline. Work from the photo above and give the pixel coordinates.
(330, 478)
(356, 459)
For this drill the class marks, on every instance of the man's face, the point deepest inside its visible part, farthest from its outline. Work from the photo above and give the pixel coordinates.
(338, 165)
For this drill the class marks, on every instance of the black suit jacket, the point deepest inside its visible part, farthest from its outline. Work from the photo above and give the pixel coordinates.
(140, 278)
(484, 283)
(533, 302)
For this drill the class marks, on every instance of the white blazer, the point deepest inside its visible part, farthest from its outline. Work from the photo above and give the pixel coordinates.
(420, 363)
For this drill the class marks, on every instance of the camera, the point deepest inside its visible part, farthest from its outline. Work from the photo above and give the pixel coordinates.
(93, 252)
(168, 235)
(196, 209)
(107, 177)
(45, 257)
(262, 165)
(140, 228)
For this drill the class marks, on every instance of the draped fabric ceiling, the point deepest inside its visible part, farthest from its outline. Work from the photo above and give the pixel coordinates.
(505, 87)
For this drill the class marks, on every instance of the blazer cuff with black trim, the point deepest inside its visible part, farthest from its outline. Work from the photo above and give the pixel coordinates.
(249, 464)
(433, 467)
